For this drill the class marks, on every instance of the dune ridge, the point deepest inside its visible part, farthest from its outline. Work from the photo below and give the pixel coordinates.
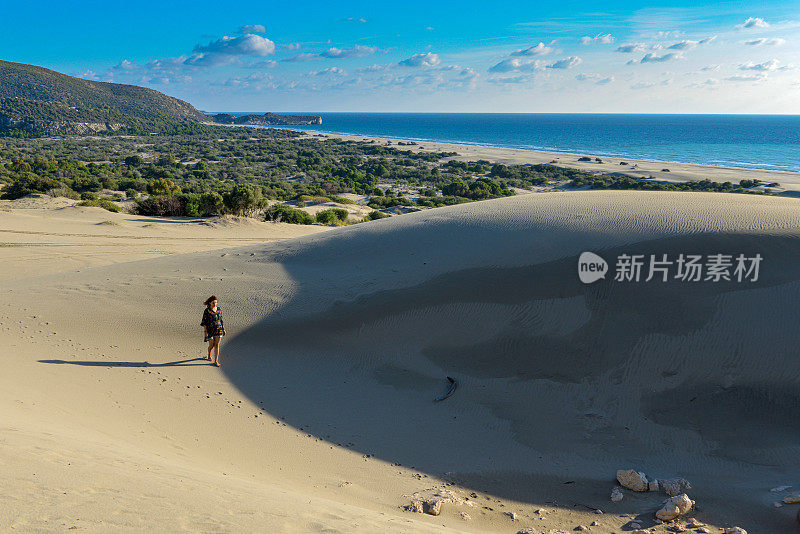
(346, 336)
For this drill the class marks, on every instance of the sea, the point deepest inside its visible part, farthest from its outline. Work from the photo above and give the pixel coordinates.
(749, 141)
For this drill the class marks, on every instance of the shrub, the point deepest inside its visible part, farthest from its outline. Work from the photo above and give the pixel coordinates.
(64, 191)
(664, 170)
(162, 186)
(375, 215)
(160, 206)
(101, 203)
(29, 183)
(131, 193)
(88, 195)
(584, 158)
(287, 214)
(336, 216)
(340, 200)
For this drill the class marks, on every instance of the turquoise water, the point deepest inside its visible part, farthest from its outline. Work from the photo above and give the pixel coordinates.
(749, 141)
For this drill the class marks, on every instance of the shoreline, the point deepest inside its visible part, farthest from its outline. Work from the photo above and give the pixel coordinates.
(638, 168)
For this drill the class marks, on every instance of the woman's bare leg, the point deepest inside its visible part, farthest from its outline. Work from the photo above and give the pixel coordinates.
(210, 348)
(216, 350)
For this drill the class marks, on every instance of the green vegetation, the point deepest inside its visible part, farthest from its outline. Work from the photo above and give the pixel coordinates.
(287, 214)
(35, 100)
(242, 171)
(336, 216)
(101, 203)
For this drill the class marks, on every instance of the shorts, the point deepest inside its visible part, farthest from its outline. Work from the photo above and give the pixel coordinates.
(209, 338)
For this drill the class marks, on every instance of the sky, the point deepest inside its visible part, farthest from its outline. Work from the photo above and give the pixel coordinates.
(700, 56)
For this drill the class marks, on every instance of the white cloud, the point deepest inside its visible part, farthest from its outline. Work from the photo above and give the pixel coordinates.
(598, 79)
(266, 64)
(653, 58)
(643, 85)
(633, 47)
(602, 38)
(124, 65)
(426, 59)
(291, 46)
(540, 49)
(225, 50)
(688, 44)
(305, 56)
(356, 51)
(767, 66)
(566, 63)
(763, 41)
(753, 22)
(330, 71)
(710, 68)
(511, 65)
(747, 78)
(253, 28)
(357, 20)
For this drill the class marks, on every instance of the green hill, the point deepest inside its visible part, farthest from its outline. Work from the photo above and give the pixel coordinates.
(35, 101)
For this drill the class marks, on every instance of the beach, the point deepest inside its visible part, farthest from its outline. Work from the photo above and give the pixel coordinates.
(322, 419)
(789, 181)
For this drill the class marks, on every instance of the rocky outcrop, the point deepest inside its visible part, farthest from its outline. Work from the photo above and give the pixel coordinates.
(59, 127)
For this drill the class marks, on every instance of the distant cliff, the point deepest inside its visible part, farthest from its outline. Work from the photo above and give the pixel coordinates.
(267, 119)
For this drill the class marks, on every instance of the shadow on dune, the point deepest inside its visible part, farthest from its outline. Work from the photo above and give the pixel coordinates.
(650, 374)
(90, 363)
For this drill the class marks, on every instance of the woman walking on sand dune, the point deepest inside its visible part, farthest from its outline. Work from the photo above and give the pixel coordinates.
(214, 327)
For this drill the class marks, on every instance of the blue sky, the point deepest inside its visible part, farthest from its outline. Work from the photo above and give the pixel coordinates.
(569, 56)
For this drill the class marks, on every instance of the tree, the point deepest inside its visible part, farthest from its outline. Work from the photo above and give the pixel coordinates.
(133, 161)
(164, 187)
(244, 199)
(210, 204)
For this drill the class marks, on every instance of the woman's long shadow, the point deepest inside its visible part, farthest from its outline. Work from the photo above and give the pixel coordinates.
(95, 363)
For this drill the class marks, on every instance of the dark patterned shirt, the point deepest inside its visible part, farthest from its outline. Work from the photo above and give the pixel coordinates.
(212, 320)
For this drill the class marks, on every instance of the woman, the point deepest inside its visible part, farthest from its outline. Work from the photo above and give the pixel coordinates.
(214, 327)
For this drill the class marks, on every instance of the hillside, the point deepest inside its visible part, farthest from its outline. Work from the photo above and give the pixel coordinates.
(38, 100)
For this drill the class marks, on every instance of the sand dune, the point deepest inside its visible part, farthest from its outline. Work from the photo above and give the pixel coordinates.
(322, 418)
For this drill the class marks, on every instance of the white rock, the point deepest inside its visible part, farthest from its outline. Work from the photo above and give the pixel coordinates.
(675, 507)
(675, 486)
(792, 499)
(465, 516)
(653, 485)
(735, 530)
(616, 495)
(433, 507)
(633, 480)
